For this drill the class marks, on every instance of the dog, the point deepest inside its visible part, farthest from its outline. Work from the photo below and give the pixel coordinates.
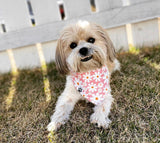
(85, 49)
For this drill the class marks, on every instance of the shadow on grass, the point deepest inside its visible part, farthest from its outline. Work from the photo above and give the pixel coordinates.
(135, 111)
(5, 82)
(28, 115)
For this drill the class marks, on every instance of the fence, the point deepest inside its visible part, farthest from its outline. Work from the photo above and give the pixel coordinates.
(29, 28)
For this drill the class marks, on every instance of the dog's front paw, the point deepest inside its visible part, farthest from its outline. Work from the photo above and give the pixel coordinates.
(53, 126)
(101, 121)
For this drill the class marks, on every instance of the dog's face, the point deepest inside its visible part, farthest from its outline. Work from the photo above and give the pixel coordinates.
(83, 46)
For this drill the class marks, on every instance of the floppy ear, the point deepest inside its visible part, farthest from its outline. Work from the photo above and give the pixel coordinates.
(60, 58)
(111, 55)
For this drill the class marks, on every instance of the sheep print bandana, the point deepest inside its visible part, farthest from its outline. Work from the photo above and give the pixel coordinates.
(93, 85)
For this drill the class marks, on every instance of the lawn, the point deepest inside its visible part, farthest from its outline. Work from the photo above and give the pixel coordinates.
(135, 113)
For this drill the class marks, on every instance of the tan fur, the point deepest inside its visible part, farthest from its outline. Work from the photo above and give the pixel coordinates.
(61, 64)
(104, 55)
(68, 60)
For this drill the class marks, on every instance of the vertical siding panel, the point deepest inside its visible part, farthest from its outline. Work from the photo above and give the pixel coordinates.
(1, 22)
(108, 4)
(1, 30)
(45, 11)
(159, 29)
(115, 3)
(102, 5)
(146, 33)
(5, 65)
(26, 57)
(137, 1)
(76, 8)
(49, 50)
(14, 14)
(118, 36)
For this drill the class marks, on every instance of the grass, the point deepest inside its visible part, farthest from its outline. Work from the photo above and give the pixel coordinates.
(135, 113)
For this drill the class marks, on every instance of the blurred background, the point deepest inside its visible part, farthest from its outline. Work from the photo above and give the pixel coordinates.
(26, 23)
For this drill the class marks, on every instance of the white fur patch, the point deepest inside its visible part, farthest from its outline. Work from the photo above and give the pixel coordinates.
(83, 24)
(117, 65)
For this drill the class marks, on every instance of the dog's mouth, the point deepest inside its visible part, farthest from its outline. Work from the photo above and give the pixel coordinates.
(85, 59)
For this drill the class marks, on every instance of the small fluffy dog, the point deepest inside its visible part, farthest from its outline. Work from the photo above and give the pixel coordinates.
(86, 55)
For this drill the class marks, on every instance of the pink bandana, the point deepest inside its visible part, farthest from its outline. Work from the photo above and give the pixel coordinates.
(93, 85)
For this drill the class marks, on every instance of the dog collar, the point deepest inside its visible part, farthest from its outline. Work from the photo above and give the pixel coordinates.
(93, 85)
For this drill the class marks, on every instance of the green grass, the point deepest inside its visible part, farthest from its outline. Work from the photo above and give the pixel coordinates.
(135, 113)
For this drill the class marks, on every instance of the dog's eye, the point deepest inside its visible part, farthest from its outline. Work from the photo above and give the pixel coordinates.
(73, 45)
(91, 40)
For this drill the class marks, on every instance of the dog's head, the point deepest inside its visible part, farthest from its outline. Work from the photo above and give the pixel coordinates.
(83, 46)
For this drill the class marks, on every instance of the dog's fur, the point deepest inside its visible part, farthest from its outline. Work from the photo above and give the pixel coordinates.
(69, 60)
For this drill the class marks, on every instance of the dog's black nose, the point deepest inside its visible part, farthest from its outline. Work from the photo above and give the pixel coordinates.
(83, 51)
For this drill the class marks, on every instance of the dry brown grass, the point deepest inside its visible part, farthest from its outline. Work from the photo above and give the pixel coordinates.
(135, 113)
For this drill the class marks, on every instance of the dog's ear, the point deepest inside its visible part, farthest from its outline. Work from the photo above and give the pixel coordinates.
(111, 55)
(60, 58)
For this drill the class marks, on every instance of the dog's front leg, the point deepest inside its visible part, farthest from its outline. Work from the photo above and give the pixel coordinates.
(101, 112)
(64, 106)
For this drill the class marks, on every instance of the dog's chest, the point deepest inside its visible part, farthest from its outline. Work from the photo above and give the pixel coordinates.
(93, 85)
